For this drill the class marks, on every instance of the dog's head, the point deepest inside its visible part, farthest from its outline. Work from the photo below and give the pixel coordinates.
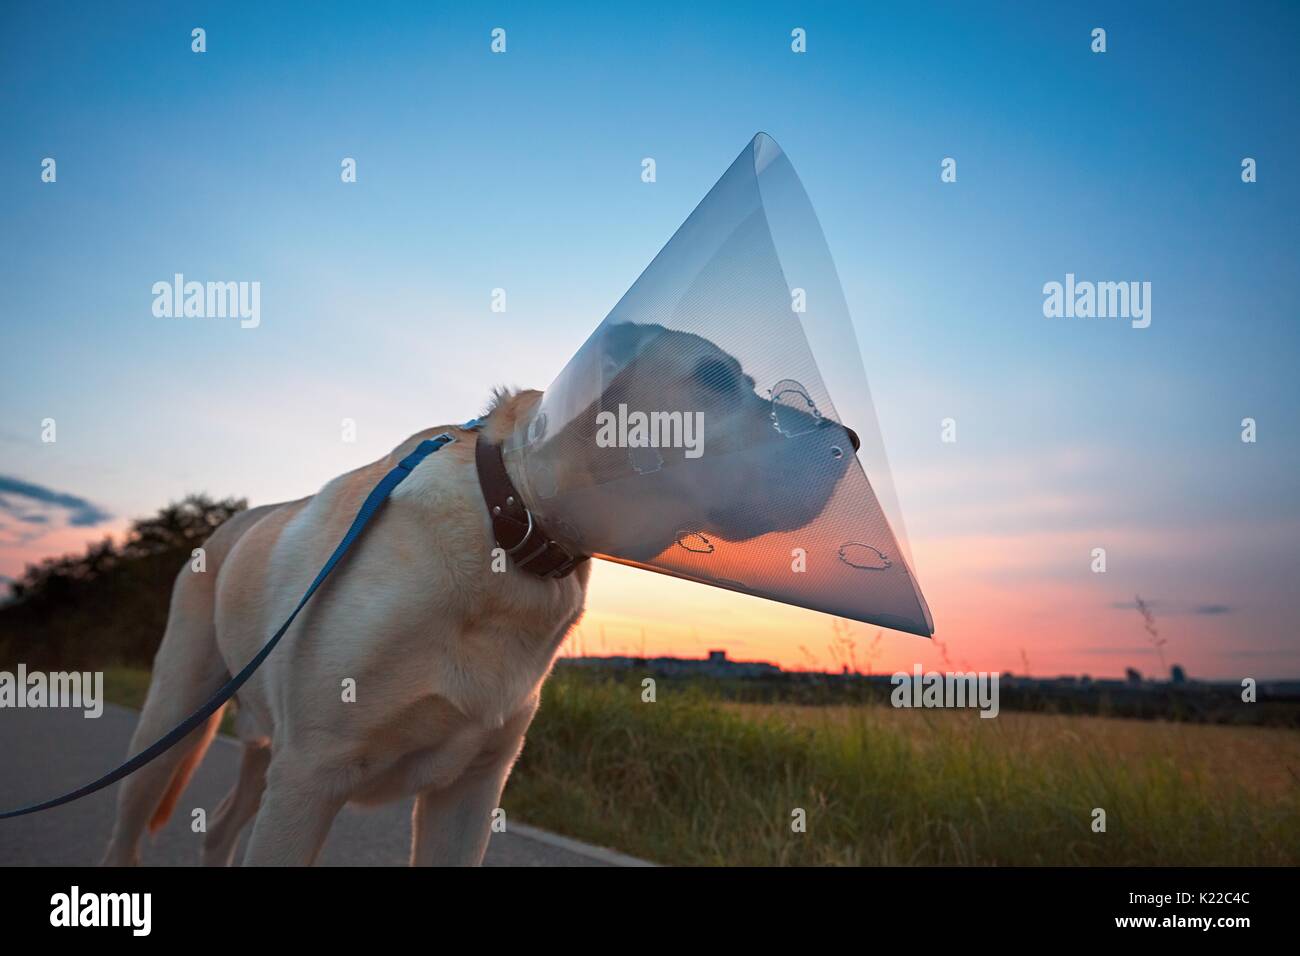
(679, 440)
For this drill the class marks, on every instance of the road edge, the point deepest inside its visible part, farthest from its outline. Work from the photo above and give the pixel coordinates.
(598, 853)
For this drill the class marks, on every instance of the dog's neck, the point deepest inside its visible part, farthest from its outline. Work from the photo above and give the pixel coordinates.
(509, 410)
(518, 523)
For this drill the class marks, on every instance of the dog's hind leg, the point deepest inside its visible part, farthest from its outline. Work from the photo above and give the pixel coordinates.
(187, 670)
(239, 806)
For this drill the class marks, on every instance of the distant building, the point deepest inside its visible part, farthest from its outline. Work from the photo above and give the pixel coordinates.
(715, 665)
(1176, 675)
(1132, 677)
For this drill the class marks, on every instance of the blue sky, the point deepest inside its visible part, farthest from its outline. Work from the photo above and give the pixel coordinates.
(522, 171)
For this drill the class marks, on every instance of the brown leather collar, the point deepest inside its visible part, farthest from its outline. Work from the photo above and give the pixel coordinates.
(515, 528)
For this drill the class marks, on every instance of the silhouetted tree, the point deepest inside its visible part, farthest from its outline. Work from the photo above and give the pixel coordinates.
(108, 605)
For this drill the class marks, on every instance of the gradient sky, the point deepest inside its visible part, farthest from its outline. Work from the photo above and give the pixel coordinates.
(522, 171)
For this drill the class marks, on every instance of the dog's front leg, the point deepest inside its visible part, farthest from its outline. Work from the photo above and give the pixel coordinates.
(298, 807)
(451, 826)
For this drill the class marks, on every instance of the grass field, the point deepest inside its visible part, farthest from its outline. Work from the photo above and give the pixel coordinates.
(693, 780)
(690, 780)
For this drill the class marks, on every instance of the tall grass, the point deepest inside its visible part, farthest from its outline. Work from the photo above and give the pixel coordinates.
(691, 780)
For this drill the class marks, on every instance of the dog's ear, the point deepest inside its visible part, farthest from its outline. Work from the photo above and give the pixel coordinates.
(501, 394)
(505, 408)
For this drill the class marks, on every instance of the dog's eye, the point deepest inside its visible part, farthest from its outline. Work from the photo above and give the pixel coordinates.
(716, 376)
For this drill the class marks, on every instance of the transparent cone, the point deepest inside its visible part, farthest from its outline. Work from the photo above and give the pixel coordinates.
(695, 433)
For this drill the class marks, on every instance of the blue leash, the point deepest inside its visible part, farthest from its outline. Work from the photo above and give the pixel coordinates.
(376, 498)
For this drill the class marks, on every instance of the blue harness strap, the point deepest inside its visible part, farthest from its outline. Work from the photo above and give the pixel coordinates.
(368, 509)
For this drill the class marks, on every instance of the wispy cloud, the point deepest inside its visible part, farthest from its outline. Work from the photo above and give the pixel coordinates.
(1117, 650)
(1174, 607)
(80, 512)
(1212, 609)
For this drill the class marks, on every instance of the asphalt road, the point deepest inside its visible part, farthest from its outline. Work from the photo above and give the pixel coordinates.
(47, 752)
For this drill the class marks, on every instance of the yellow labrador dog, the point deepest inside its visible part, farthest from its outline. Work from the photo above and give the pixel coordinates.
(447, 660)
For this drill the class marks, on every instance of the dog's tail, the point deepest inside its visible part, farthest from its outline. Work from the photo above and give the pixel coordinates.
(181, 775)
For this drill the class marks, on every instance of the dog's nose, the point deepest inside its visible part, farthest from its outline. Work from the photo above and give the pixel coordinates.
(853, 437)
